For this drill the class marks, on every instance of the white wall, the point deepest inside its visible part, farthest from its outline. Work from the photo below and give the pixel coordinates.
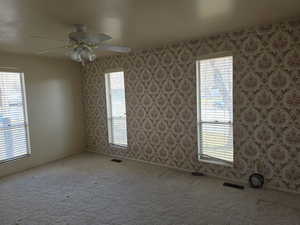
(54, 109)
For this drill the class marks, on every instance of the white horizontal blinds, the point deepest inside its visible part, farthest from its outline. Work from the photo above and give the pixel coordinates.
(13, 123)
(116, 108)
(216, 109)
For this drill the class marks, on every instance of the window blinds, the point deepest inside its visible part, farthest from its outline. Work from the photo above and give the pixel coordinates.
(116, 108)
(215, 108)
(14, 141)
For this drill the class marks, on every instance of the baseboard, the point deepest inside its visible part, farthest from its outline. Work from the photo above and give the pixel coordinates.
(55, 159)
(243, 182)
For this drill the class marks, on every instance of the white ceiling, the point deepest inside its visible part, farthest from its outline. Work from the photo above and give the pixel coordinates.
(134, 23)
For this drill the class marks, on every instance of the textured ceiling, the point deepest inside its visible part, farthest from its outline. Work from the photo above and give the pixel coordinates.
(134, 23)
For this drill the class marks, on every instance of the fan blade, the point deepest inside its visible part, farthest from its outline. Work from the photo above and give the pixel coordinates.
(103, 37)
(46, 38)
(51, 49)
(114, 48)
(9, 67)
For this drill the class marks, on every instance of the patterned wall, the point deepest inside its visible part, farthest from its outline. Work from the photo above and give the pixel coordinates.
(161, 103)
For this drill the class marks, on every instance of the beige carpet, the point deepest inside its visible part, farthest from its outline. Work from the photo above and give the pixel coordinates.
(89, 189)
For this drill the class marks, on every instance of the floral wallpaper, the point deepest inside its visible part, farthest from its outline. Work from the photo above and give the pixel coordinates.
(161, 109)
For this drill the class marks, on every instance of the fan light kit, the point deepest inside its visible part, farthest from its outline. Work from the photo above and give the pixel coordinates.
(83, 44)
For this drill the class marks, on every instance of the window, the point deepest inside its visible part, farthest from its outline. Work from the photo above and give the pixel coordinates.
(116, 108)
(215, 109)
(14, 135)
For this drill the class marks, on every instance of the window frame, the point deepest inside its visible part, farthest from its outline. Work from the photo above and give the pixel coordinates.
(109, 108)
(25, 114)
(200, 157)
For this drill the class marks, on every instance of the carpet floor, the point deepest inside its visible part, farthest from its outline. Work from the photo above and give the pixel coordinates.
(89, 189)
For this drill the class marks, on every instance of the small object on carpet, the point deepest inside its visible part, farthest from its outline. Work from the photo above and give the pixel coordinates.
(226, 184)
(198, 174)
(116, 160)
(256, 180)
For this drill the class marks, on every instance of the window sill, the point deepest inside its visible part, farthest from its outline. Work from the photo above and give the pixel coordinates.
(217, 162)
(117, 146)
(15, 158)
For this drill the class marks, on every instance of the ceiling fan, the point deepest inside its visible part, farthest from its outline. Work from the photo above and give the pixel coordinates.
(82, 44)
